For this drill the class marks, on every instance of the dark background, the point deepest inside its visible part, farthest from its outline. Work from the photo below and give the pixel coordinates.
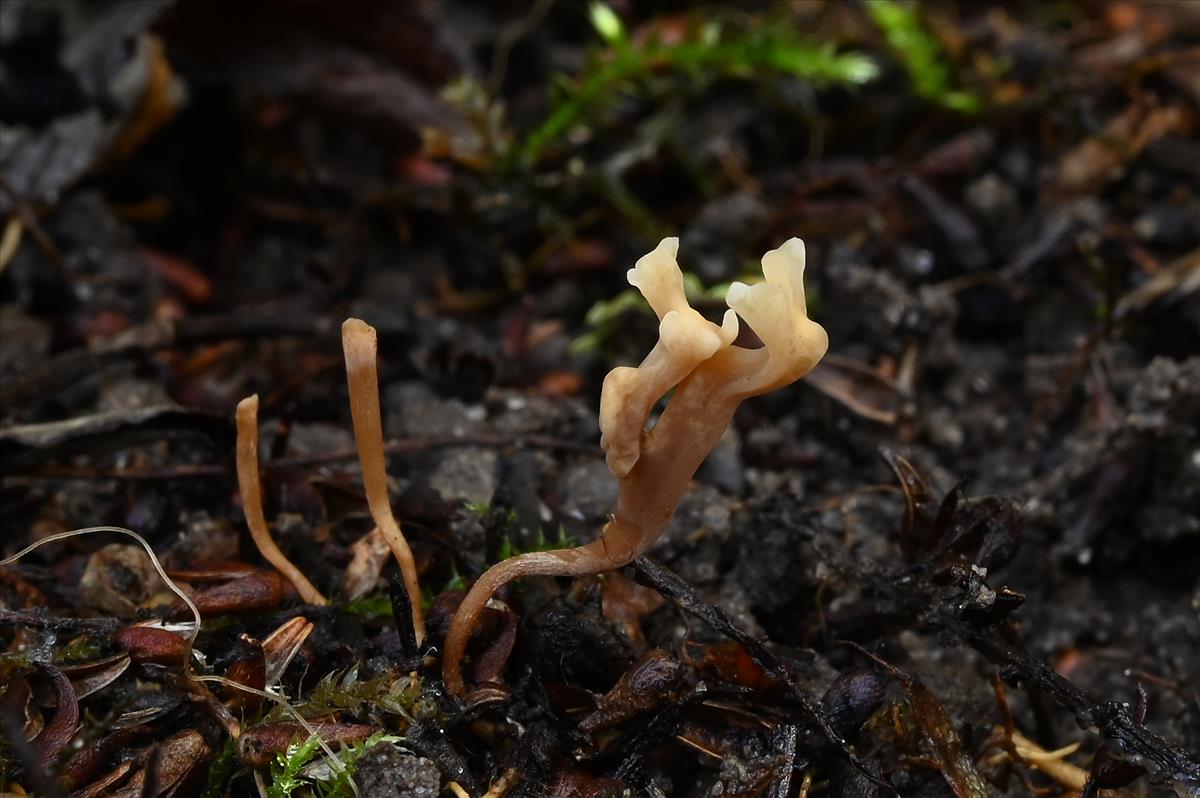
(999, 203)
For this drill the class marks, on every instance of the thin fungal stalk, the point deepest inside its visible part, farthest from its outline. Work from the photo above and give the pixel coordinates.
(252, 506)
(710, 378)
(360, 344)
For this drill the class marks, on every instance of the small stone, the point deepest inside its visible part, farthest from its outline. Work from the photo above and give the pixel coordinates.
(131, 393)
(465, 474)
(413, 410)
(589, 491)
(723, 466)
(26, 340)
(993, 197)
(387, 772)
(317, 438)
(713, 239)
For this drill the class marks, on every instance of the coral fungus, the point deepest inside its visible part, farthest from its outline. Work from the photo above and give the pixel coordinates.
(710, 378)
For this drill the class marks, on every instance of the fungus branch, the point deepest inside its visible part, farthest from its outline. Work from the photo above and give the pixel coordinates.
(360, 342)
(252, 506)
(710, 378)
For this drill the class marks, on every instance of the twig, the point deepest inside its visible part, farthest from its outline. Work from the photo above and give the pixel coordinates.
(510, 34)
(30, 222)
(156, 335)
(685, 597)
(101, 626)
(1001, 645)
(401, 446)
(1112, 718)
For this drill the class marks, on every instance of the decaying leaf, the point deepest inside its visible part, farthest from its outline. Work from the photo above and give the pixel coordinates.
(370, 555)
(1181, 278)
(162, 769)
(859, 387)
(938, 735)
(1100, 158)
(94, 676)
(65, 722)
(259, 745)
(253, 592)
(626, 602)
(649, 683)
(281, 646)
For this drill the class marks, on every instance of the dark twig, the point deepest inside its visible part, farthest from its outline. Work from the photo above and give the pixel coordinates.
(685, 597)
(153, 336)
(30, 221)
(401, 446)
(1113, 718)
(402, 615)
(101, 626)
(1001, 645)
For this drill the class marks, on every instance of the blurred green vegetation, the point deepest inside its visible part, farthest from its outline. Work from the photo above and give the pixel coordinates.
(708, 49)
(604, 319)
(642, 81)
(561, 540)
(372, 605)
(920, 54)
(221, 769)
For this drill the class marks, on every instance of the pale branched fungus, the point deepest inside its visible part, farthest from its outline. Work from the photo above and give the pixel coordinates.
(710, 377)
(359, 342)
(252, 506)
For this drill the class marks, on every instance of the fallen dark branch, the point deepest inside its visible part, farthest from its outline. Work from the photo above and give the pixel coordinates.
(1113, 719)
(101, 626)
(245, 324)
(665, 581)
(402, 614)
(401, 446)
(1000, 644)
(112, 430)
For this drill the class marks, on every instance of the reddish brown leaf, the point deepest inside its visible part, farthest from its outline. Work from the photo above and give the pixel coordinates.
(63, 725)
(259, 745)
(256, 592)
(148, 644)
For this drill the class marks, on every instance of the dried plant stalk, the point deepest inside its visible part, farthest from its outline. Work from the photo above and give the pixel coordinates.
(360, 342)
(252, 506)
(710, 378)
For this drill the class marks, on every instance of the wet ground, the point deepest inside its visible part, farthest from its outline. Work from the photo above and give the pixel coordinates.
(971, 538)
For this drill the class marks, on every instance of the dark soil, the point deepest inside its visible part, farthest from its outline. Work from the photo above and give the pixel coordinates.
(974, 533)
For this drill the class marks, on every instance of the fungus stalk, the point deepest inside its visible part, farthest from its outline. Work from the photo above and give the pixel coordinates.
(252, 505)
(710, 378)
(360, 342)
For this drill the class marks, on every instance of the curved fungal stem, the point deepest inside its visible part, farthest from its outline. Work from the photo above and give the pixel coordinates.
(252, 506)
(360, 344)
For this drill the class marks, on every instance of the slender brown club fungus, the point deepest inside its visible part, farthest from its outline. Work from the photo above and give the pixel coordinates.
(710, 378)
(359, 341)
(252, 506)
